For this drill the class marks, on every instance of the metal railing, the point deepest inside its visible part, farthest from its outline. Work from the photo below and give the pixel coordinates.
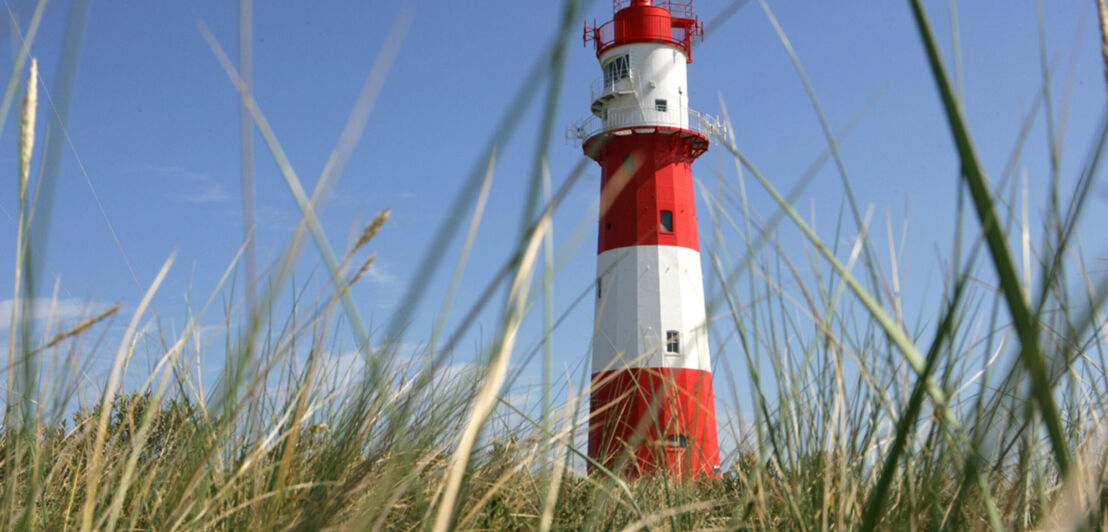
(683, 24)
(678, 8)
(604, 35)
(707, 125)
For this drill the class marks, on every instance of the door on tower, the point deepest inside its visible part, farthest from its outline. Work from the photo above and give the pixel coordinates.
(675, 439)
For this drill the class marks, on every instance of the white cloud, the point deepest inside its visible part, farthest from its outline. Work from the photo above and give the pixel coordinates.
(201, 187)
(60, 309)
(275, 219)
(379, 274)
(173, 172)
(208, 193)
(404, 364)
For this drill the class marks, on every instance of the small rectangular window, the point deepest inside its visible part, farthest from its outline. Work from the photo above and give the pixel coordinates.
(598, 279)
(673, 344)
(679, 441)
(667, 221)
(660, 106)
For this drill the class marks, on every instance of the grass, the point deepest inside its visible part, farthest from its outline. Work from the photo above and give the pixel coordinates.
(987, 416)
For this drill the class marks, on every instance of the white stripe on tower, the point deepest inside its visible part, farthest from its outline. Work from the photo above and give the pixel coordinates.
(646, 292)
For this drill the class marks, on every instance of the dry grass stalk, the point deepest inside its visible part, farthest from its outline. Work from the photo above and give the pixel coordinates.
(26, 147)
(1102, 15)
(368, 233)
(496, 372)
(27, 130)
(372, 229)
(365, 268)
(82, 327)
(126, 346)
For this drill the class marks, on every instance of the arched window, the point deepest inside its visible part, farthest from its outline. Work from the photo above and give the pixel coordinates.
(616, 69)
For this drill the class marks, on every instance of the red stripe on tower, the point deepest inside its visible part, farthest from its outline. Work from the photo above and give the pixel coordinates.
(652, 407)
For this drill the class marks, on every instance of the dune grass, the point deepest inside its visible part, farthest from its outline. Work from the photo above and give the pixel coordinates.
(986, 414)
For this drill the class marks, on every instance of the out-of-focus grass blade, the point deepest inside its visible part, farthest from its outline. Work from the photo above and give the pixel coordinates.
(122, 355)
(831, 144)
(144, 426)
(906, 424)
(887, 323)
(1024, 322)
(596, 465)
(297, 190)
(454, 220)
(19, 61)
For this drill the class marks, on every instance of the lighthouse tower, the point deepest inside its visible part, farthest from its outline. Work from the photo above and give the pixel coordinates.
(652, 405)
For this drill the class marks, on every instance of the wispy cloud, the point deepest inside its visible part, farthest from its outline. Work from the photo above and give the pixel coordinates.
(172, 172)
(60, 309)
(207, 193)
(378, 274)
(200, 187)
(274, 218)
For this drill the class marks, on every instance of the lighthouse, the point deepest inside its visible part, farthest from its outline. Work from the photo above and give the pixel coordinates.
(652, 409)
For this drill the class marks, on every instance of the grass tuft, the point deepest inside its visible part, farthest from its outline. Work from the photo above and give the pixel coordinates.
(986, 411)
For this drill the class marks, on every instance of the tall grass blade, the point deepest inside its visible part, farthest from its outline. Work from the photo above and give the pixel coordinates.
(1102, 18)
(829, 135)
(354, 126)
(246, 149)
(1023, 320)
(122, 356)
(145, 425)
(20, 60)
(490, 389)
(887, 323)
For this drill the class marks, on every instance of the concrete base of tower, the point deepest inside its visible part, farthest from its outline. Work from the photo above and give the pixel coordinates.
(645, 420)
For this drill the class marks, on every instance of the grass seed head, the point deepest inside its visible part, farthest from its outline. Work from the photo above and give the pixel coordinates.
(82, 327)
(27, 129)
(372, 229)
(365, 267)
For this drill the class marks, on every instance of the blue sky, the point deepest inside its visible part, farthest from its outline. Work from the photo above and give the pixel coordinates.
(154, 123)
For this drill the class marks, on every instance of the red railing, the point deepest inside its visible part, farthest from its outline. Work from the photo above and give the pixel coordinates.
(683, 27)
(677, 8)
(682, 31)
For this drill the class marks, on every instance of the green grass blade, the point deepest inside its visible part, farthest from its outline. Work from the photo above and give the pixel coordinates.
(974, 176)
(886, 322)
(832, 144)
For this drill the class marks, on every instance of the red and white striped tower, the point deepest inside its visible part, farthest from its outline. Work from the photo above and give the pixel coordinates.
(652, 404)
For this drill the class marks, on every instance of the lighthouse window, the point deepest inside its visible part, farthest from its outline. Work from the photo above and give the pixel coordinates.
(617, 69)
(660, 106)
(677, 440)
(673, 345)
(667, 221)
(598, 287)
